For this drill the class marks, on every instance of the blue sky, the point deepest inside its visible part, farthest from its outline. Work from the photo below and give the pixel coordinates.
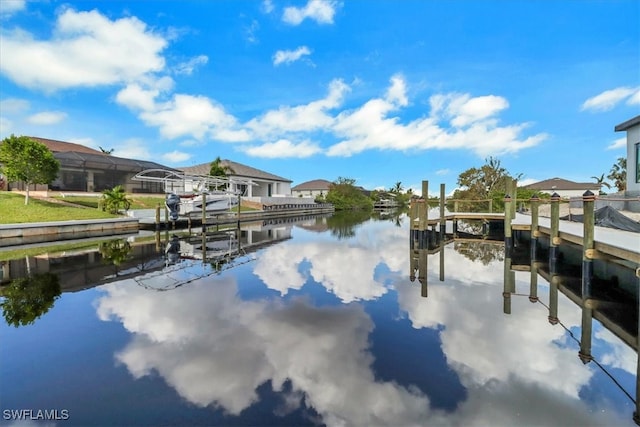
(380, 91)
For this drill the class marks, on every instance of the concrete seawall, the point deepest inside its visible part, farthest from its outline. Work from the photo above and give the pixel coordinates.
(40, 232)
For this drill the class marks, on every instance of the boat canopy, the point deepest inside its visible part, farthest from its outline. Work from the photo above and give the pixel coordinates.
(178, 182)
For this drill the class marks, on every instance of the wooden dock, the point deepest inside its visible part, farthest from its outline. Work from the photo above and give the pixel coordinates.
(597, 242)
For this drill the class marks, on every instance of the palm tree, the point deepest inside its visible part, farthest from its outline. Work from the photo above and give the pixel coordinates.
(218, 169)
(618, 174)
(600, 181)
(115, 199)
(397, 188)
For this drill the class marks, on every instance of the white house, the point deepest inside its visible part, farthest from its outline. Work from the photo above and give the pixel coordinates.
(316, 187)
(565, 188)
(268, 184)
(269, 189)
(632, 127)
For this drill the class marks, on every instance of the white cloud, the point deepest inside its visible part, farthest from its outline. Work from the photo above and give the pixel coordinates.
(9, 7)
(190, 65)
(321, 11)
(617, 144)
(443, 171)
(610, 98)
(635, 98)
(456, 121)
(288, 56)
(132, 148)
(302, 118)
(397, 92)
(87, 49)
(284, 148)
(323, 352)
(176, 156)
(372, 127)
(250, 31)
(47, 118)
(6, 126)
(267, 6)
(13, 105)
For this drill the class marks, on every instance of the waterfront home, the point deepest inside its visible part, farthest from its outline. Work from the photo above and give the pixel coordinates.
(632, 127)
(268, 189)
(313, 188)
(83, 169)
(563, 187)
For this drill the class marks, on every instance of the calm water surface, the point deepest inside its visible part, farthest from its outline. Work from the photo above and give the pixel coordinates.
(322, 321)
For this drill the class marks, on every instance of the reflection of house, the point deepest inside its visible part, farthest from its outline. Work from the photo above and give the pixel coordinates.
(316, 187)
(632, 127)
(563, 187)
(85, 169)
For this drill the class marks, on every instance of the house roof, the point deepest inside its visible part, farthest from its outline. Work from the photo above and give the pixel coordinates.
(628, 124)
(62, 146)
(316, 184)
(238, 169)
(562, 184)
(72, 155)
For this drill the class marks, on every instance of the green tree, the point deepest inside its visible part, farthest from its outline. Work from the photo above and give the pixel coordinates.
(618, 174)
(486, 182)
(26, 160)
(115, 199)
(343, 194)
(218, 169)
(28, 298)
(397, 188)
(115, 251)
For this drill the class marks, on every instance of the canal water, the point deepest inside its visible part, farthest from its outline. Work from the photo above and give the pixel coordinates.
(314, 321)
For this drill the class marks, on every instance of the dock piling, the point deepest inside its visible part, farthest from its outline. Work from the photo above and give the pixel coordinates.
(535, 214)
(554, 240)
(508, 242)
(588, 202)
(204, 213)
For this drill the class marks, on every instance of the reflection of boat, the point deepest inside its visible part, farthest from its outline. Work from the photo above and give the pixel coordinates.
(187, 194)
(218, 252)
(212, 246)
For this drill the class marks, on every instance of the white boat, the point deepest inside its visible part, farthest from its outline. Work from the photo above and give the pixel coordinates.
(186, 193)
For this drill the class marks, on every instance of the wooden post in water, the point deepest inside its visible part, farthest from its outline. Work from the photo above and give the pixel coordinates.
(443, 223)
(533, 283)
(553, 299)
(158, 217)
(425, 190)
(204, 213)
(588, 207)
(554, 240)
(586, 331)
(423, 259)
(239, 203)
(441, 260)
(506, 290)
(507, 225)
(535, 215)
(490, 205)
(455, 206)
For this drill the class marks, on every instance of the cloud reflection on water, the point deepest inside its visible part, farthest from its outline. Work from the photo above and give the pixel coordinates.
(216, 349)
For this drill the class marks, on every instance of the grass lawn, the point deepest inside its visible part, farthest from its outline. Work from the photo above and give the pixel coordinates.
(13, 210)
(137, 202)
